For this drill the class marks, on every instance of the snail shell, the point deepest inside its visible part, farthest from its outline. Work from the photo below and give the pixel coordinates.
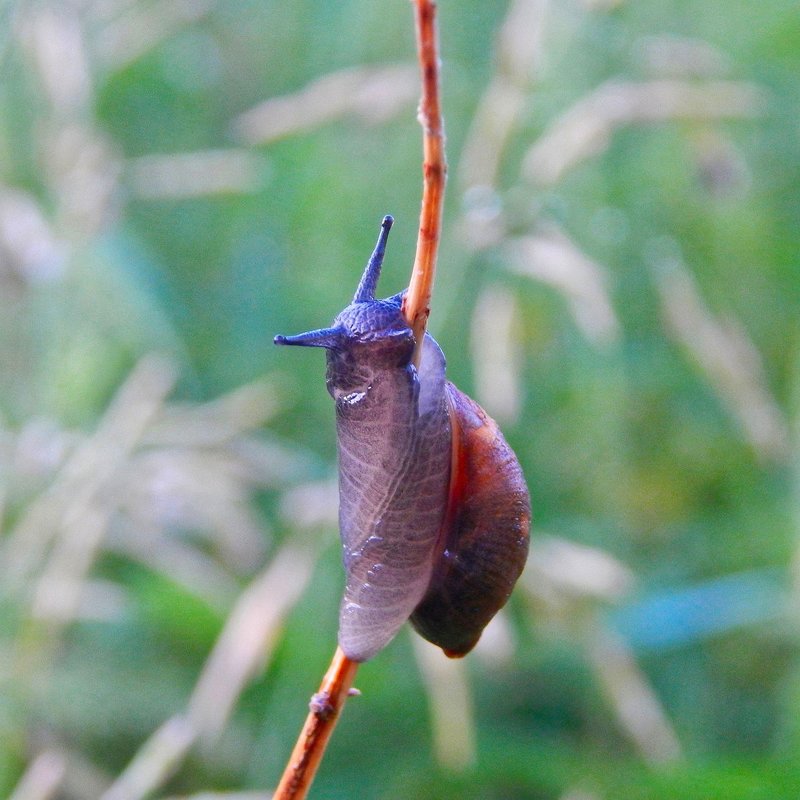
(484, 544)
(433, 507)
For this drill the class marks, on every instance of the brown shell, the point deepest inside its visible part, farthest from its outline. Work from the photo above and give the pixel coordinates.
(484, 543)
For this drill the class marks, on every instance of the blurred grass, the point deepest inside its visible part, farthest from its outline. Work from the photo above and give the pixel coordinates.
(639, 309)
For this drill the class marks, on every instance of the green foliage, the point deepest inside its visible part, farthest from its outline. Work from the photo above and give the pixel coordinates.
(639, 306)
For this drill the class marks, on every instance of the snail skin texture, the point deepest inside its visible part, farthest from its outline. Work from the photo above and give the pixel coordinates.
(434, 511)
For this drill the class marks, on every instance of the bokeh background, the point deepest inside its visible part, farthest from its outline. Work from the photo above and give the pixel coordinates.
(180, 180)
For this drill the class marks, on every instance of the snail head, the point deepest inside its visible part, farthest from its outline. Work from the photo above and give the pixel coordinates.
(367, 322)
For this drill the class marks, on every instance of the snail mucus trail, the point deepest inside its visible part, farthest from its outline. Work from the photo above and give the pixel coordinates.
(434, 512)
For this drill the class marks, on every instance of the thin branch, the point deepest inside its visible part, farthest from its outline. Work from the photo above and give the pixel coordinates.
(416, 306)
(327, 703)
(323, 714)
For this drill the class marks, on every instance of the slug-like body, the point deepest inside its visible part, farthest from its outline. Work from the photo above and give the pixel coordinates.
(423, 473)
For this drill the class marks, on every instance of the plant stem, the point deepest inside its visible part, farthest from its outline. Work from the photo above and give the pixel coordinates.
(323, 714)
(327, 703)
(416, 305)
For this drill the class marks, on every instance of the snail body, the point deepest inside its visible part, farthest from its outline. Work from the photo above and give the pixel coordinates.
(433, 508)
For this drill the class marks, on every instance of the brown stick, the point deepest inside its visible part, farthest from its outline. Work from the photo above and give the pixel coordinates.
(323, 714)
(416, 306)
(327, 703)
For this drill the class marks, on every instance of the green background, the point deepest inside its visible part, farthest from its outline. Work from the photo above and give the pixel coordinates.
(635, 442)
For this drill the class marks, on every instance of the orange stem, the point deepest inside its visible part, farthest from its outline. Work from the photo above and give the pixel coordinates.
(323, 714)
(327, 703)
(416, 306)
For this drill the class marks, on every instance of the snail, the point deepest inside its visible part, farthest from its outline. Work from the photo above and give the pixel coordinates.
(434, 511)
